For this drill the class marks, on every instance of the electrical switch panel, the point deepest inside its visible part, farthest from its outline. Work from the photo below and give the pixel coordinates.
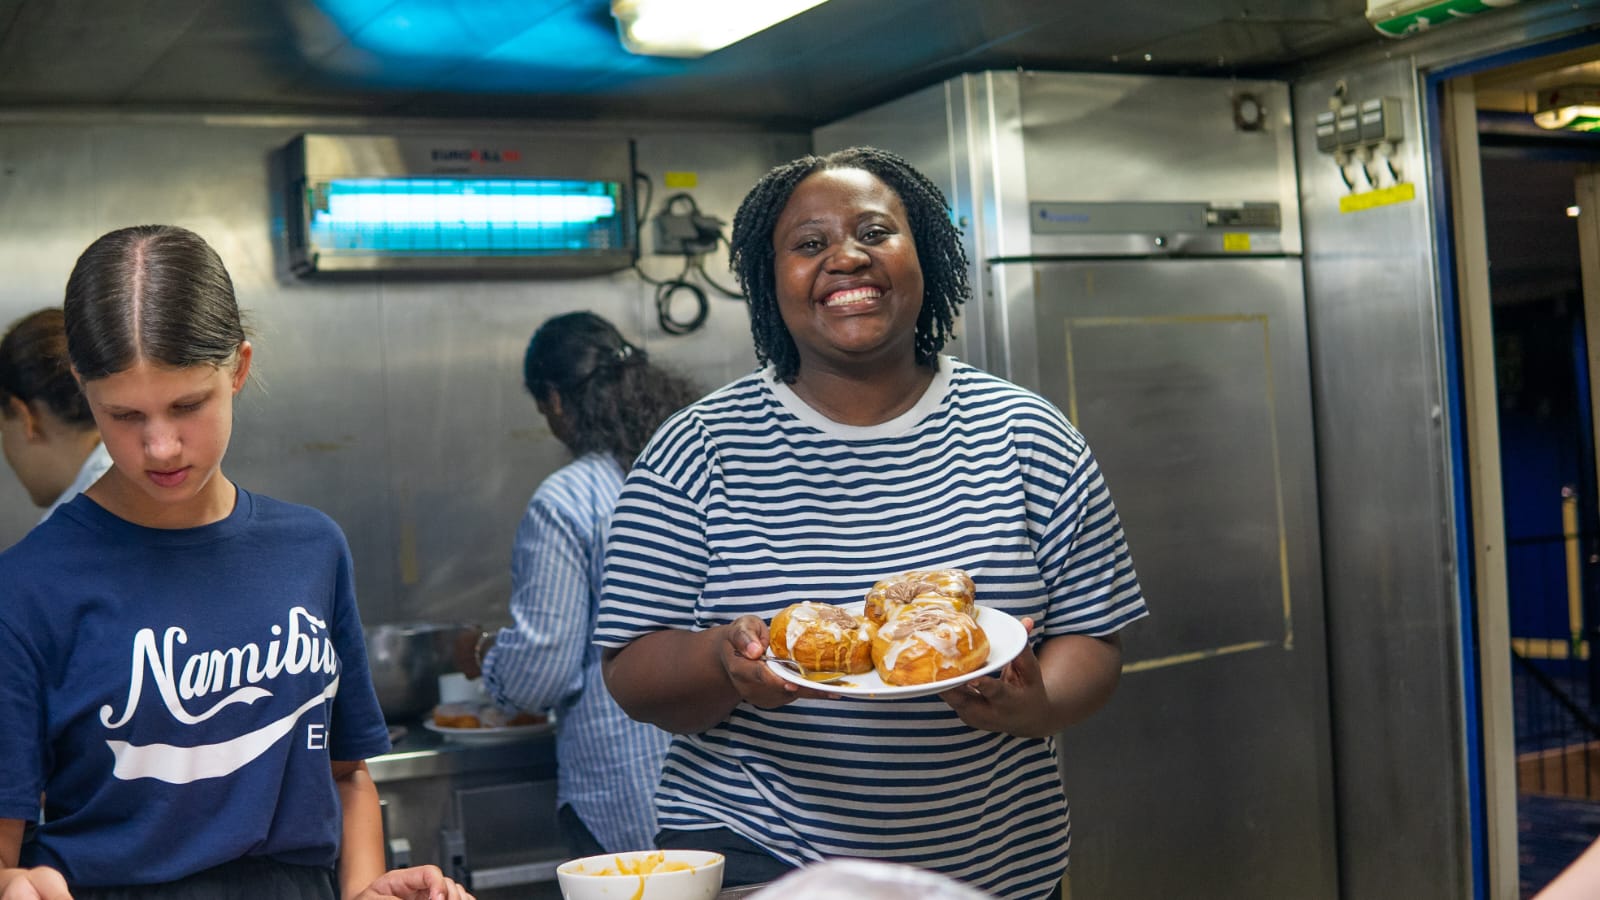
(1348, 127)
(1380, 121)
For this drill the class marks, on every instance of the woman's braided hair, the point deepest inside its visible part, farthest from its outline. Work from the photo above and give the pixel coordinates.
(938, 242)
(612, 396)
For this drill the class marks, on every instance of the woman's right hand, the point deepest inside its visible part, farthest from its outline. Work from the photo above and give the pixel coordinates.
(744, 644)
(39, 883)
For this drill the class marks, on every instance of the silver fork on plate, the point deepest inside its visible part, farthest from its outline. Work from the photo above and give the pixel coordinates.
(818, 677)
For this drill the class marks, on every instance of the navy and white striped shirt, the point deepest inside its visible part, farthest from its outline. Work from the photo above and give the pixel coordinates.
(750, 500)
(608, 763)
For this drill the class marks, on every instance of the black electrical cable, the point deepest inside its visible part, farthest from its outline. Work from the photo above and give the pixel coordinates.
(667, 289)
(664, 307)
(649, 196)
(700, 266)
(667, 204)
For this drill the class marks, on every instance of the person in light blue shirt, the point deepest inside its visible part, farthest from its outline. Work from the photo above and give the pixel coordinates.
(602, 399)
(46, 431)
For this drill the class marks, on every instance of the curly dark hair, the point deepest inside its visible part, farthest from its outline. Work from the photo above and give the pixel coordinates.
(938, 243)
(612, 396)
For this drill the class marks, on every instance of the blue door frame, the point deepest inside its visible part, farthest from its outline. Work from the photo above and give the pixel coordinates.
(1433, 90)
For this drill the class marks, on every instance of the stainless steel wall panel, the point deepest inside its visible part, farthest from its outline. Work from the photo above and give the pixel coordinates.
(1387, 516)
(393, 404)
(992, 142)
(1190, 381)
(1121, 138)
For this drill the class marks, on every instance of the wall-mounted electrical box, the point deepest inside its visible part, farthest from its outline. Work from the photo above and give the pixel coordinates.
(421, 203)
(1351, 126)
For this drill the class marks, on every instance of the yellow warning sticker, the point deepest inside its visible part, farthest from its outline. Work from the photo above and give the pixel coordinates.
(680, 180)
(1235, 242)
(1399, 193)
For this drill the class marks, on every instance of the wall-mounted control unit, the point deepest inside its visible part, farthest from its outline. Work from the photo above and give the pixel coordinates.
(367, 203)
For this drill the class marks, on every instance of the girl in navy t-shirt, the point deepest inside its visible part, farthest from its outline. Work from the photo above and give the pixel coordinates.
(182, 672)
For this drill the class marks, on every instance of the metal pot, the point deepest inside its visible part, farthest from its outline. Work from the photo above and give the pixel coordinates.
(406, 660)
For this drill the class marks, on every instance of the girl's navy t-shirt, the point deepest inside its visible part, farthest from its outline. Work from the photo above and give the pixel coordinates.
(177, 695)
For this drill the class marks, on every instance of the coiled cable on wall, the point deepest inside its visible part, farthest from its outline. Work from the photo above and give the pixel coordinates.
(669, 290)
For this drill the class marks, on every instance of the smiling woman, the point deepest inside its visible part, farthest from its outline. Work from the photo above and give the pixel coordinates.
(860, 452)
(243, 757)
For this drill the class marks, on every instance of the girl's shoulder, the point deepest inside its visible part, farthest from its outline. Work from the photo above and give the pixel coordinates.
(285, 512)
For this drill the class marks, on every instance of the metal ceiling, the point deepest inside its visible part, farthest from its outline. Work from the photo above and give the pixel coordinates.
(561, 59)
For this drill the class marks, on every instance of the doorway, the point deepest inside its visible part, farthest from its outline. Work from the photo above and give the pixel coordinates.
(1536, 509)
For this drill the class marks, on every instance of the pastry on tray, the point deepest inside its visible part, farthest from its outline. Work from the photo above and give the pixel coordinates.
(471, 715)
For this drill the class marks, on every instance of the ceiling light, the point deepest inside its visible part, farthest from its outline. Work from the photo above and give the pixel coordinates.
(1573, 107)
(690, 28)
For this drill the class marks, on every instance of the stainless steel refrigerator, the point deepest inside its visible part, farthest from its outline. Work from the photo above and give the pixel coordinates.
(1135, 246)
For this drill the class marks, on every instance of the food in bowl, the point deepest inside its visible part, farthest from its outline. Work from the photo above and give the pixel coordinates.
(642, 875)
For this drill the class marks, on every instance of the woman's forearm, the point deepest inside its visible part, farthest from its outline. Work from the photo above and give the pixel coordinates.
(675, 679)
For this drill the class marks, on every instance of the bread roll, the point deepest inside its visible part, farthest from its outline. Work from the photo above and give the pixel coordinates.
(953, 587)
(822, 638)
(925, 642)
(456, 715)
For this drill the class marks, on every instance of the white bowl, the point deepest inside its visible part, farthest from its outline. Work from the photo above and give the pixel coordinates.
(599, 878)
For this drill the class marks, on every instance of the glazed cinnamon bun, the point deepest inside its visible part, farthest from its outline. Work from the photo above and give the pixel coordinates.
(925, 642)
(952, 587)
(822, 638)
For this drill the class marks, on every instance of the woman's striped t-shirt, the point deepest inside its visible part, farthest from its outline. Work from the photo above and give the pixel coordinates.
(750, 500)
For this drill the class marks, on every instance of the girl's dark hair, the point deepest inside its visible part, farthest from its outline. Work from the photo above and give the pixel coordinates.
(34, 368)
(152, 292)
(938, 242)
(612, 398)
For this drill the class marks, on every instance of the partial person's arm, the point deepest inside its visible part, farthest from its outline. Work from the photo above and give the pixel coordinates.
(1579, 881)
(538, 662)
(686, 682)
(41, 883)
(361, 850)
(415, 883)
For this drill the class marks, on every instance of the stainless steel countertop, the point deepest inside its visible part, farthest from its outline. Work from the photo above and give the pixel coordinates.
(419, 753)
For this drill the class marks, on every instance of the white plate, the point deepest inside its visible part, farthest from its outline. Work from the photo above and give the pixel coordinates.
(504, 735)
(1006, 636)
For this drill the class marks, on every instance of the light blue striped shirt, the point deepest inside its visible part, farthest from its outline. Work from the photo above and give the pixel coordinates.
(94, 465)
(750, 500)
(608, 764)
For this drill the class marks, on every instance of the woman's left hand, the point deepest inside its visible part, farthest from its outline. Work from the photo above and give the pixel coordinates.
(1038, 694)
(415, 883)
(1010, 702)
